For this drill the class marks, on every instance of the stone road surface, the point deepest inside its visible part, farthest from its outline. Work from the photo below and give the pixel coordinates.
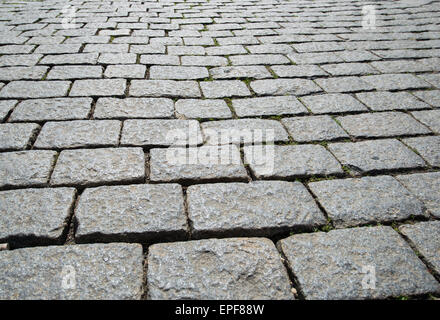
(94, 203)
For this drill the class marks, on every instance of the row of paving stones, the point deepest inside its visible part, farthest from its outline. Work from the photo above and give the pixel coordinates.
(215, 88)
(85, 167)
(357, 263)
(117, 108)
(154, 212)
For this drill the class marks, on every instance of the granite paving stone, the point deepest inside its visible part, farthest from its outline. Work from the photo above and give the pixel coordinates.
(431, 97)
(17, 136)
(268, 106)
(280, 87)
(225, 88)
(203, 109)
(35, 89)
(332, 103)
(430, 118)
(165, 88)
(5, 107)
(427, 147)
(315, 128)
(384, 100)
(115, 108)
(99, 87)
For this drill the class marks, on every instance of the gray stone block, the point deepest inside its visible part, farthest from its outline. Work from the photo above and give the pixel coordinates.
(267, 106)
(17, 136)
(114, 108)
(203, 109)
(332, 103)
(281, 87)
(178, 73)
(75, 72)
(35, 89)
(315, 128)
(165, 88)
(5, 107)
(427, 147)
(255, 72)
(99, 87)
(430, 118)
(431, 97)
(380, 101)
(344, 84)
(225, 88)
(396, 82)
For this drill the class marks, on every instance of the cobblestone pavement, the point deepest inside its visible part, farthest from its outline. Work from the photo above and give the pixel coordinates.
(346, 204)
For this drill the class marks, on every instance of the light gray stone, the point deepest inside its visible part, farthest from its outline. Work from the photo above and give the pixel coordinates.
(396, 82)
(332, 103)
(430, 118)
(349, 69)
(206, 163)
(280, 87)
(75, 72)
(266, 59)
(203, 109)
(315, 128)
(225, 88)
(88, 167)
(290, 161)
(427, 147)
(235, 268)
(208, 61)
(98, 87)
(243, 131)
(352, 202)
(298, 71)
(268, 106)
(35, 216)
(429, 96)
(26, 168)
(17, 136)
(35, 89)
(125, 71)
(5, 107)
(345, 84)
(101, 271)
(117, 58)
(78, 133)
(52, 109)
(74, 58)
(345, 258)
(431, 78)
(256, 72)
(153, 133)
(178, 73)
(114, 108)
(160, 59)
(376, 155)
(262, 208)
(165, 88)
(135, 213)
(22, 73)
(380, 101)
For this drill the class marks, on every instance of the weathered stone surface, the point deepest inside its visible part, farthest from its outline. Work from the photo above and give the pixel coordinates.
(78, 133)
(383, 124)
(26, 168)
(280, 87)
(351, 202)
(290, 161)
(75, 72)
(349, 260)
(344, 84)
(243, 131)
(165, 88)
(178, 73)
(427, 147)
(425, 238)
(86, 167)
(396, 82)
(267, 106)
(298, 71)
(256, 72)
(225, 88)
(5, 107)
(203, 109)
(315, 128)
(16, 136)
(99, 87)
(52, 109)
(380, 101)
(149, 133)
(376, 155)
(207, 163)
(426, 187)
(261, 208)
(429, 96)
(95, 271)
(430, 118)
(332, 103)
(22, 73)
(35, 89)
(36, 216)
(349, 69)
(114, 108)
(126, 71)
(117, 58)
(131, 213)
(235, 268)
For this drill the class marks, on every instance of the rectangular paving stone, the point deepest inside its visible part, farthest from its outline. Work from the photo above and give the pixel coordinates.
(315, 128)
(125, 71)
(332, 103)
(106, 48)
(75, 72)
(22, 73)
(225, 88)
(203, 109)
(26, 168)
(376, 156)
(35, 89)
(298, 71)
(98, 87)
(430, 118)
(268, 106)
(395, 82)
(17, 136)
(160, 59)
(215, 269)
(314, 57)
(101, 271)
(135, 213)
(5, 107)
(202, 164)
(20, 59)
(89, 167)
(425, 238)
(261, 208)
(432, 78)
(165, 88)
(431, 97)
(281, 87)
(178, 73)
(382, 124)
(114, 108)
(117, 58)
(251, 59)
(73, 58)
(426, 187)
(345, 84)
(208, 61)
(78, 134)
(381, 101)
(347, 259)
(427, 147)
(154, 133)
(52, 109)
(352, 202)
(349, 69)
(35, 216)
(243, 131)
(233, 72)
(290, 161)
(225, 50)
